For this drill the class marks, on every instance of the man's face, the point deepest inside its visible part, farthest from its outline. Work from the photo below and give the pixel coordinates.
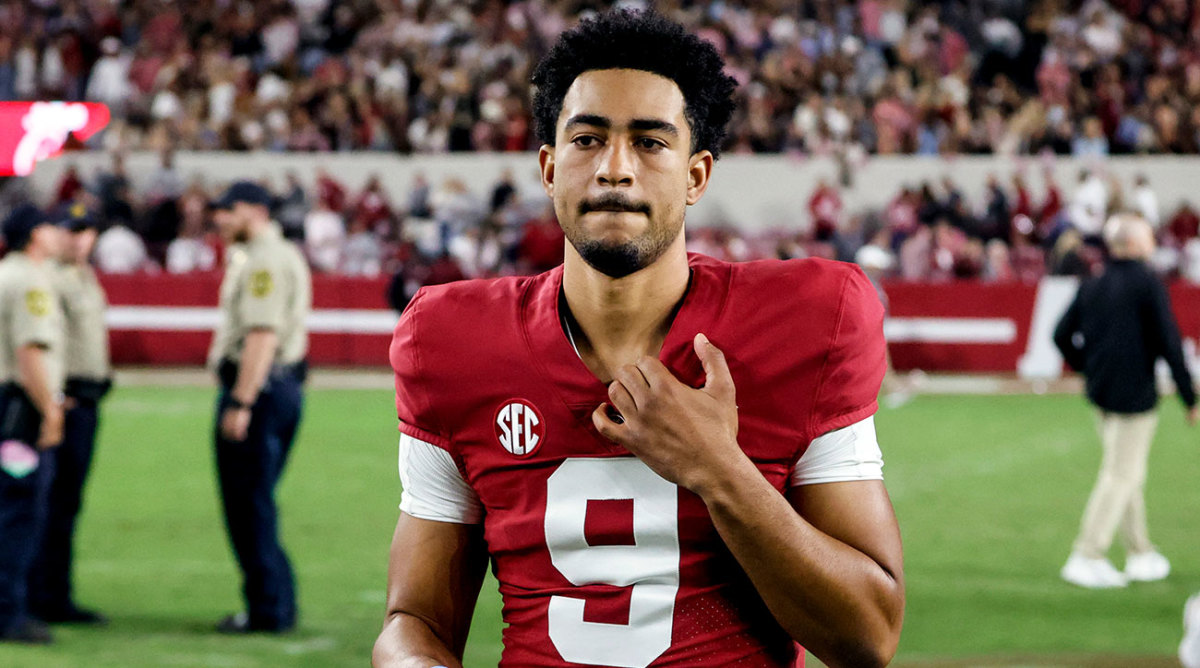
(80, 245)
(622, 172)
(233, 223)
(49, 239)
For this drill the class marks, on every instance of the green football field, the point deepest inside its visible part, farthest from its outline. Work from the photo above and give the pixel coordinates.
(989, 491)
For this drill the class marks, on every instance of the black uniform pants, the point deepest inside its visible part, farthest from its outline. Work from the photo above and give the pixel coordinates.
(50, 580)
(23, 503)
(248, 472)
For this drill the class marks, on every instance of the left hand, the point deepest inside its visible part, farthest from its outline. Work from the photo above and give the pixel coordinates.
(235, 423)
(685, 435)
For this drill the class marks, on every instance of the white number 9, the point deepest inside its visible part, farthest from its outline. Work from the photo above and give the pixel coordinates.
(650, 566)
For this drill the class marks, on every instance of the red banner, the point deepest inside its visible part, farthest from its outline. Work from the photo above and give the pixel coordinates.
(950, 327)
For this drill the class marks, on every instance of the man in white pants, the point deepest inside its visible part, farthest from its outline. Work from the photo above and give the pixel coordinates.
(1116, 329)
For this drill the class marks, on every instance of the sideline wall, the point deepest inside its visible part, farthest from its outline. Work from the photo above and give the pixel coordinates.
(751, 192)
(949, 327)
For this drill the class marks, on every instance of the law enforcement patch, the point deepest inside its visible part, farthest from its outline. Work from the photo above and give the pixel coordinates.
(261, 283)
(38, 302)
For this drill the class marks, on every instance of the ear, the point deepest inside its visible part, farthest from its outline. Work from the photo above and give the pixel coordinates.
(698, 174)
(546, 162)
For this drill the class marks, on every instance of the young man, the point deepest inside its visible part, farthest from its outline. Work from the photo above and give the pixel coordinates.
(668, 459)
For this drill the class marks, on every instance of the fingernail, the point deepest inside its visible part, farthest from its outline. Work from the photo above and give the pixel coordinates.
(704, 339)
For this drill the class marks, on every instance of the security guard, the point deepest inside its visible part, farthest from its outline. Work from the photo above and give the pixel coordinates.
(258, 351)
(31, 408)
(88, 380)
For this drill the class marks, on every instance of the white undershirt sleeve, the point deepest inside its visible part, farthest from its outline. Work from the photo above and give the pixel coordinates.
(434, 489)
(850, 453)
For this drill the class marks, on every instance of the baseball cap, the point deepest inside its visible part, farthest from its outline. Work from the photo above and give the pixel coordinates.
(242, 191)
(76, 218)
(21, 222)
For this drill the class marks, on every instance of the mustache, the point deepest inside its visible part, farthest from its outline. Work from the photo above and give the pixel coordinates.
(613, 202)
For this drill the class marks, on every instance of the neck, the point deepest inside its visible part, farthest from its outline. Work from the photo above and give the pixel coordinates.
(34, 253)
(617, 320)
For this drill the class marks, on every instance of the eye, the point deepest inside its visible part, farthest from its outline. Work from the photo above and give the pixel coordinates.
(649, 144)
(585, 141)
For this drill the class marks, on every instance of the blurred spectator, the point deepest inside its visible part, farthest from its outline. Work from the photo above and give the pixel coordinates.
(1145, 202)
(362, 254)
(190, 252)
(825, 208)
(119, 250)
(292, 207)
(504, 191)
(1185, 224)
(1089, 204)
(542, 243)
(324, 236)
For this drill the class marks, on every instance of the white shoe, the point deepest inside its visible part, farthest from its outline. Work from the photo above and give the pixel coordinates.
(1189, 649)
(1092, 573)
(1146, 567)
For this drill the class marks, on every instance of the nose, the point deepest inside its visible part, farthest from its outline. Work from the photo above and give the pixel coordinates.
(616, 165)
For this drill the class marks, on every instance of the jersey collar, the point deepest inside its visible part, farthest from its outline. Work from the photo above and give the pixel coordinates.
(557, 361)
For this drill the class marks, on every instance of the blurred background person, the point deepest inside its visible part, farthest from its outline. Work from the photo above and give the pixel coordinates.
(259, 353)
(1113, 332)
(88, 379)
(31, 405)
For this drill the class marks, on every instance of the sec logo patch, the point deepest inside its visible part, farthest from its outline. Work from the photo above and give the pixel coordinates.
(519, 427)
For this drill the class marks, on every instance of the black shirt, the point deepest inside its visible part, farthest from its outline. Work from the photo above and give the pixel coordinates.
(1115, 330)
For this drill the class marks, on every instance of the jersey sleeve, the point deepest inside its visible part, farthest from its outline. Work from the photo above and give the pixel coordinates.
(842, 455)
(433, 487)
(414, 407)
(263, 303)
(848, 386)
(33, 322)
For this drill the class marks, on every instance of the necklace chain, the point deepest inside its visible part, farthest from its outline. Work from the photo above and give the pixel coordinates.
(571, 336)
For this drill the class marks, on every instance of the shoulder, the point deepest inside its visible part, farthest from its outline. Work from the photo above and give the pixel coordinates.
(276, 255)
(813, 273)
(813, 286)
(447, 318)
(19, 274)
(470, 300)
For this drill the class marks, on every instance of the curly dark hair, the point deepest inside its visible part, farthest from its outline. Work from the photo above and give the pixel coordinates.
(638, 40)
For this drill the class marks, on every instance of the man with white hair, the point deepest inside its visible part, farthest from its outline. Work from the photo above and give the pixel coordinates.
(1118, 326)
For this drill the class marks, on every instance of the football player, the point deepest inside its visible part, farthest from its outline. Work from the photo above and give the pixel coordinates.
(668, 460)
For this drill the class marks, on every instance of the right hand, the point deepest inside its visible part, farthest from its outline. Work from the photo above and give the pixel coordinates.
(51, 433)
(1193, 415)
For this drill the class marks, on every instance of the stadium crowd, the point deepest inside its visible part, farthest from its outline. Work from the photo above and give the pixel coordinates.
(1072, 77)
(437, 232)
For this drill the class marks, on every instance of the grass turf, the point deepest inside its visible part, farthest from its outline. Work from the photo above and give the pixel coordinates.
(989, 491)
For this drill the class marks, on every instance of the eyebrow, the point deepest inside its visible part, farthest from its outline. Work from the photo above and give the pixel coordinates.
(641, 124)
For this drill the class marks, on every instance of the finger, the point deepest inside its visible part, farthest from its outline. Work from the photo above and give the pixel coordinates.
(604, 424)
(656, 374)
(632, 376)
(622, 399)
(717, 379)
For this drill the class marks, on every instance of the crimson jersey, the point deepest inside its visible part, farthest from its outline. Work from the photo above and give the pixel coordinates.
(600, 561)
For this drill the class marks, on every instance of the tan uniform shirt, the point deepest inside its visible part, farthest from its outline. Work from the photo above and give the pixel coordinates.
(83, 304)
(30, 313)
(266, 286)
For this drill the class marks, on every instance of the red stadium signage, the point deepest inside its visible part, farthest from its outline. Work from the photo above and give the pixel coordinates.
(947, 327)
(34, 131)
